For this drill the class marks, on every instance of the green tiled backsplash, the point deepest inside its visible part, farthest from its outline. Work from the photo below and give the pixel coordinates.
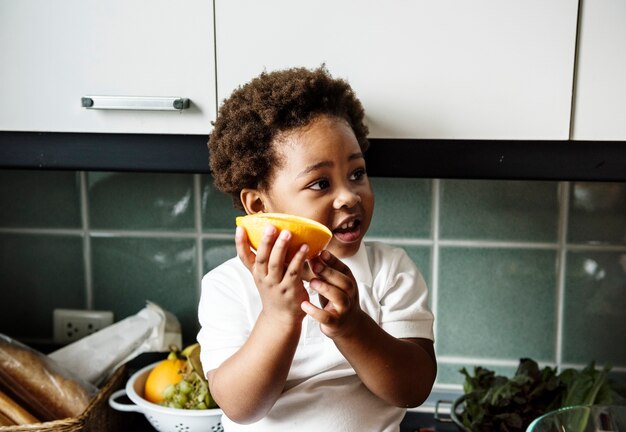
(516, 268)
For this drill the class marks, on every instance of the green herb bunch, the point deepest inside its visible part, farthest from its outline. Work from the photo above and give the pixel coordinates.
(498, 403)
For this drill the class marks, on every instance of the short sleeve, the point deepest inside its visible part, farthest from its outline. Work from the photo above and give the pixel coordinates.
(223, 315)
(404, 298)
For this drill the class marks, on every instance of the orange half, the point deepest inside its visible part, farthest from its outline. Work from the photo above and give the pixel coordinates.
(303, 231)
(160, 377)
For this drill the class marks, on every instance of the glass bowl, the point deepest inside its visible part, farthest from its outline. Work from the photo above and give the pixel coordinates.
(594, 418)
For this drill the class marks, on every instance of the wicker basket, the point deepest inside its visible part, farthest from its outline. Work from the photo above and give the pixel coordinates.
(98, 416)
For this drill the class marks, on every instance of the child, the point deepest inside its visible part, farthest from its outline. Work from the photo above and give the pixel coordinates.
(342, 342)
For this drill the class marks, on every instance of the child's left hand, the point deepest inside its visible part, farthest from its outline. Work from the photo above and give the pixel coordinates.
(339, 296)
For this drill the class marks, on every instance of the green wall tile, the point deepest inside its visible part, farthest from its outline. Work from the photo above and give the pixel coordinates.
(618, 380)
(218, 213)
(597, 213)
(449, 373)
(38, 273)
(421, 256)
(497, 303)
(594, 327)
(141, 201)
(41, 199)
(215, 252)
(402, 209)
(129, 271)
(499, 210)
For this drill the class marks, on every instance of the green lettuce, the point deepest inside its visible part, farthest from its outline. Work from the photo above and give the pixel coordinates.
(497, 403)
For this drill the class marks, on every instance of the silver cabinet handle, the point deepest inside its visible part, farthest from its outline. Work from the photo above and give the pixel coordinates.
(145, 103)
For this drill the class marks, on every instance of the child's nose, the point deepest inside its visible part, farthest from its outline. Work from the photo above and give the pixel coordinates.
(346, 197)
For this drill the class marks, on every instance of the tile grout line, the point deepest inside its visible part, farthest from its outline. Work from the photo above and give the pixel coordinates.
(434, 264)
(561, 263)
(45, 231)
(84, 210)
(481, 361)
(497, 244)
(198, 234)
(390, 240)
(116, 233)
(490, 362)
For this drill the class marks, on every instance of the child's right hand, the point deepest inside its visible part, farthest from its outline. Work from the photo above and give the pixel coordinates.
(280, 284)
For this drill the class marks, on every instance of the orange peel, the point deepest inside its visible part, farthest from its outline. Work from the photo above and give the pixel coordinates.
(303, 231)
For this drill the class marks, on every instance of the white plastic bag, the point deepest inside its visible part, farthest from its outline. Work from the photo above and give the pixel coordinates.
(95, 357)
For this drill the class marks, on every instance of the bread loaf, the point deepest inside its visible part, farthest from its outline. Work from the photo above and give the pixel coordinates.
(13, 412)
(41, 385)
(5, 421)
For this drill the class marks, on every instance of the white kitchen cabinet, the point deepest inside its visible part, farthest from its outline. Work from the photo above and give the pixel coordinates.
(53, 53)
(600, 96)
(454, 69)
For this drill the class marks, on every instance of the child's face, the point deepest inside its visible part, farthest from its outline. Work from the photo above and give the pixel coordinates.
(322, 176)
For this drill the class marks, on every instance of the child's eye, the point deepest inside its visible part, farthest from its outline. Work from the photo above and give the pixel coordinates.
(358, 174)
(320, 185)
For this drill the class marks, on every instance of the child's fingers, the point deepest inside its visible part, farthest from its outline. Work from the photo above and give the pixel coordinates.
(296, 268)
(307, 273)
(243, 248)
(331, 261)
(340, 299)
(333, 271)
(276, 262)
(264, 249)
(317, 314)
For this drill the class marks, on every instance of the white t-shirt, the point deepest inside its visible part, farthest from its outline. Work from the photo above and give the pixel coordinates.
(323, 392)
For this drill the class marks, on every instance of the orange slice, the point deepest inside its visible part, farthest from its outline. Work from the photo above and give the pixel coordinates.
(303, 230)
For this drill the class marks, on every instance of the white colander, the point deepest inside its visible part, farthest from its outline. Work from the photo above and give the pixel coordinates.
(165, 419)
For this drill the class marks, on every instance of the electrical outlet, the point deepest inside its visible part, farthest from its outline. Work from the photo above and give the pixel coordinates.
(73, 324)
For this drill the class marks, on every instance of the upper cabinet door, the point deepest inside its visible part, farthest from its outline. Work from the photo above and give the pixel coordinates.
(600, 98)
(54, 53)
(455, 69)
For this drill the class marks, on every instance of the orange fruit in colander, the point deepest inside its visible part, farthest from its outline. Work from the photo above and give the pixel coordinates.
(303, 230)
(160, 377)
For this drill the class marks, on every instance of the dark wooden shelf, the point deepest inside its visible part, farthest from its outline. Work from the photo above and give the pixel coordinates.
(416, 158)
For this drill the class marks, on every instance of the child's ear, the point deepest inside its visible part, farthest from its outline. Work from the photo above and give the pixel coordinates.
(252, 201)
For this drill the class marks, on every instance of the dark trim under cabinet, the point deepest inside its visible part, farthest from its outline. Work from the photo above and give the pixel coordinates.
(415, 158)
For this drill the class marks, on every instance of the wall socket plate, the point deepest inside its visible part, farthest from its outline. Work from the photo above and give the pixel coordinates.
(71, 325)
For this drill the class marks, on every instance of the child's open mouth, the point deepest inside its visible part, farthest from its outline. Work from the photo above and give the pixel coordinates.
(348, 232)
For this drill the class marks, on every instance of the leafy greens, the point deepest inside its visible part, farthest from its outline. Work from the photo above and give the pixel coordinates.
(497, 403)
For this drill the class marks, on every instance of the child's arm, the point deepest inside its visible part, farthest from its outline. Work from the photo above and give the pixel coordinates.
(247, 385)
(399, 371)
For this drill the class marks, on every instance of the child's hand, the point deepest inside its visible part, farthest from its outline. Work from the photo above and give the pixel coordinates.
(339, 296)
(280, 284)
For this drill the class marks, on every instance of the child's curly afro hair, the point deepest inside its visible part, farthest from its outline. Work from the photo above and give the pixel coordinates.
(240, 151)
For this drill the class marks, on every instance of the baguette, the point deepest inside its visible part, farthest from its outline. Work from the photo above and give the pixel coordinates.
(9, 409)
(40, 385)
